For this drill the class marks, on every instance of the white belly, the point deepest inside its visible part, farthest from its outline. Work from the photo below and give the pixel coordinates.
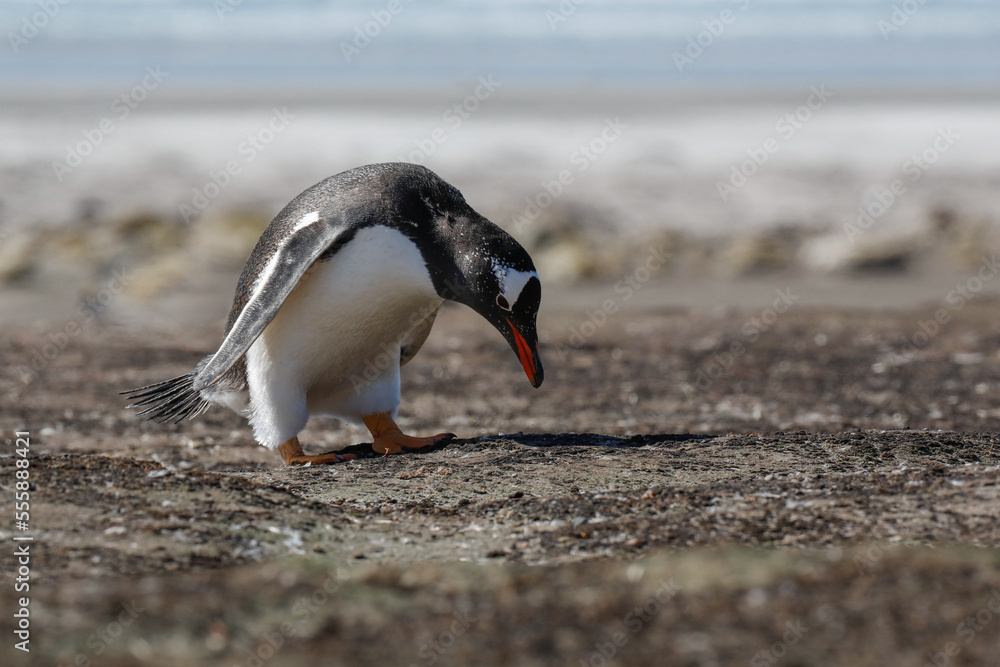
(334, 346)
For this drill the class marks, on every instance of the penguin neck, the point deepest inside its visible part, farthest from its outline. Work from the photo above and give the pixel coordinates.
(453, 257)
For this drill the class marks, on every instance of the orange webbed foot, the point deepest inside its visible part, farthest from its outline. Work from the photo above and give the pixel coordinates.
(388, 439)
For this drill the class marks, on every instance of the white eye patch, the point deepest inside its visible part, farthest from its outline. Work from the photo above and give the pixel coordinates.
(512, 283)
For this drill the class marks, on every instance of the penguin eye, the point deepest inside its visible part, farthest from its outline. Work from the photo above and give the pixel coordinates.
(502, 302)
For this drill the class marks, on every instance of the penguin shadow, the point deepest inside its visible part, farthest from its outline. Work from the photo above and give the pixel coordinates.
(541, 440)
(364, 450)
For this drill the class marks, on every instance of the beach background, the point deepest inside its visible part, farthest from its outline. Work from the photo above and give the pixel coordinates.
(767, 231)
(749, 137)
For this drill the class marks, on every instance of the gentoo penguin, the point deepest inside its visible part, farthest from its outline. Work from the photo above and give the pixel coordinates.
(341, 290)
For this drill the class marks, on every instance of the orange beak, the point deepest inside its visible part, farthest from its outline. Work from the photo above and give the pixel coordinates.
(527, 355)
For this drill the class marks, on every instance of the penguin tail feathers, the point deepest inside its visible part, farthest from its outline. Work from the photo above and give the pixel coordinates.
(171, 400)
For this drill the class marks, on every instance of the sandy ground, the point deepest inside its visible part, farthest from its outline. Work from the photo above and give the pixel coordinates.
(826, 493)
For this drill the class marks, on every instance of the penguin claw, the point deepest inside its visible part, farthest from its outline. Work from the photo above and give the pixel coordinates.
(292, 454)
(404, 444)
(398, 443)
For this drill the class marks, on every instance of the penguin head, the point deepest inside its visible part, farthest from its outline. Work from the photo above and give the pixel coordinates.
(471, 260)
(504, 288)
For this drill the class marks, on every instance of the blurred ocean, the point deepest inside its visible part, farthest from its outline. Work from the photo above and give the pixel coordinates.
(234, 43)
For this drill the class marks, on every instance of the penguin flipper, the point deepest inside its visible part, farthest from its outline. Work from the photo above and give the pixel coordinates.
(417, 338)
(309, 239)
